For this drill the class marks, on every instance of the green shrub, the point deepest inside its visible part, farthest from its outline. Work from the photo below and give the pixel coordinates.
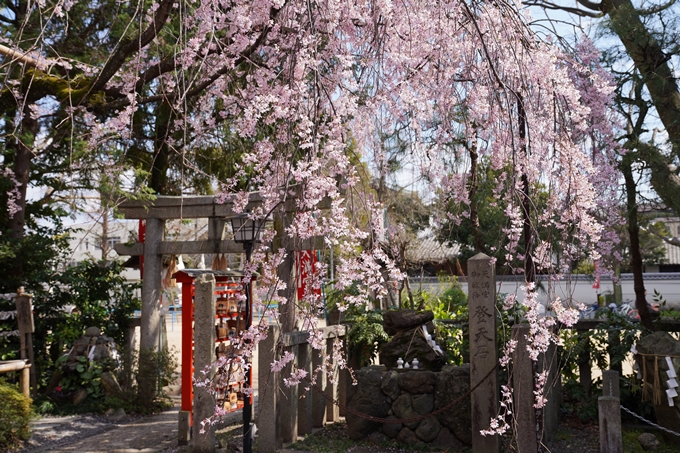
(87, 375)
(365, 336)
(156, 369)
(451, 305)
(15, 415)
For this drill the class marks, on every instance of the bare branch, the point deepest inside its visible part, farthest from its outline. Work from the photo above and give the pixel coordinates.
(590, 5)
(656, 9)
(167, 65)
(668, 240)
(154, 71)
(19, 55)
(578, 12)
(131, 45)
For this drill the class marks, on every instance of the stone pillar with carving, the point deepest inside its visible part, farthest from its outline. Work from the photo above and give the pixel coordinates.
(483, 350)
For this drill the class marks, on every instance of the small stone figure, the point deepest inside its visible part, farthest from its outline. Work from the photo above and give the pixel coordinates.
(415, 363)
(400, 363)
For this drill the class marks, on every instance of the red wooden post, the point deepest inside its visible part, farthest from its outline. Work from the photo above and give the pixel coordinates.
(142, 235)
(187, 344)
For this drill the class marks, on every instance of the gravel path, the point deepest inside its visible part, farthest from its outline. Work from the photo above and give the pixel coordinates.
(98, 433)
(50, 432)
(101, 434)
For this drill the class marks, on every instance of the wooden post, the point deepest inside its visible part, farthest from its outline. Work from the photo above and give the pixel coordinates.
(318, 401)
(24, 306)
(129, 348)
(151, 286)
(583, 361)
(332, 410)
(286, 272)
(305, 402)
(553, 393)
(204, 356)
(183, 427)
(483, 351)
(269, 439)
(24, 380)
(289, 401)
(344, 380)
(523, 386)
(609, 408)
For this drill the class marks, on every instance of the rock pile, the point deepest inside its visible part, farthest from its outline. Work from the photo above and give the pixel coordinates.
(408, 396)
(94, 346)
(91, 347)
(408, 342)
(653, 350)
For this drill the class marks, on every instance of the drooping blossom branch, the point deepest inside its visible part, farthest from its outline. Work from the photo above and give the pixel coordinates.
(305, 84)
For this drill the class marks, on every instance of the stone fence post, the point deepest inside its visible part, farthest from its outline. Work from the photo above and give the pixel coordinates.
(483, 351)
(609, 407)
(523, 392)
(269, 439)
(204, 356)
(533, 427)
(305, 407)
(286, 412)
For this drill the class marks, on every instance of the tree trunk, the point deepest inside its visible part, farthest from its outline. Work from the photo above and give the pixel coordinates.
(634, 234)
(653, 64)
(529, 268)
(650, 60)
(105, 234)
(22, 169)
(161, 157)
(23, 155)
(472, 193)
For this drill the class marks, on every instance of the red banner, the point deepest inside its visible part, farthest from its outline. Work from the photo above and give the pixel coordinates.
(596, 285)
(142, 235)
(305, 261)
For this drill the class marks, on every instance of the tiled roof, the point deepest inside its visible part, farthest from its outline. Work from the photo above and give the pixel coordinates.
(672, 251)
(426, 249)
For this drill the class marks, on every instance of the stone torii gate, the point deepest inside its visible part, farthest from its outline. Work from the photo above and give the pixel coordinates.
(154, 247)
(164, 208)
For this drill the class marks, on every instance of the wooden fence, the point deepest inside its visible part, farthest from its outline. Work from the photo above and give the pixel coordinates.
(24, 317)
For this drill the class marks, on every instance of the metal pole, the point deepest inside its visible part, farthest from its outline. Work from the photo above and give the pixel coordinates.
(248, 401)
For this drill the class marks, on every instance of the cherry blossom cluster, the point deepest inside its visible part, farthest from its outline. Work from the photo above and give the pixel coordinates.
(499, 424)
(13, 194)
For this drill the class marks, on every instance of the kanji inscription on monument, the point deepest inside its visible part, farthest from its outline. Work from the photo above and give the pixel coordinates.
(483, 350)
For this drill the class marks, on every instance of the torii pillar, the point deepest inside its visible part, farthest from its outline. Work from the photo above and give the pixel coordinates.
(151, 285)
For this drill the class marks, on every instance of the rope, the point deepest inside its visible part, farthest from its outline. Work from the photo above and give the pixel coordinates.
(650, 423)
(657, 382)
(399, 420)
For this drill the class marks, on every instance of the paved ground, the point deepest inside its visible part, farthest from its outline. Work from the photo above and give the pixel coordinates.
(93, 434)
(148, 435)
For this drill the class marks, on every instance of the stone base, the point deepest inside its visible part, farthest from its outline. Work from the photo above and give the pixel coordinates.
(412, 395)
